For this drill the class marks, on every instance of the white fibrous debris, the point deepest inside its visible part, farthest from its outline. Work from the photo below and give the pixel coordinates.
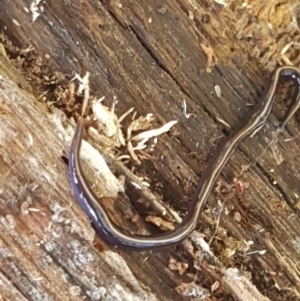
(83, 82)
(110, 125)
(35, 9)
(185, 113)
(108, 122)
(154, 133)
(110, 128)
(142, 123)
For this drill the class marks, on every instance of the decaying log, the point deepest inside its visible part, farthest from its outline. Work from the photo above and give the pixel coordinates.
(154, 57)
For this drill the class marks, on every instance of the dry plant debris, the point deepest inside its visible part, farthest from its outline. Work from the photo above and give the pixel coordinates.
(175, 265)
(211, 56)
(108, 130)
(35, 9)
(110, 125)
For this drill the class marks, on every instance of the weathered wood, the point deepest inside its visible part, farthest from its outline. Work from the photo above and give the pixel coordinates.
(148, 55)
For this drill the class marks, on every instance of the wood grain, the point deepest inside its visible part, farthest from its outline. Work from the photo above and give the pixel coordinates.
(148, 56)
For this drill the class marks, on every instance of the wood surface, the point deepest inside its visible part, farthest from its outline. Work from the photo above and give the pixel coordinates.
(150, 55)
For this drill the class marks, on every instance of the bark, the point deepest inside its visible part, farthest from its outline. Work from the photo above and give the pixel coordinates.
(149, 56)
